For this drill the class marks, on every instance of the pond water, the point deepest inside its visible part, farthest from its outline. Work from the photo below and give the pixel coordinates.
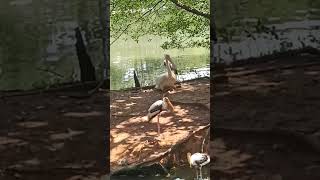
(254, 28)
(181, 173)
(37, 46)
(146, 58)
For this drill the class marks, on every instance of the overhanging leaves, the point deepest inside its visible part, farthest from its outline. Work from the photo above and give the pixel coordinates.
(182, 23)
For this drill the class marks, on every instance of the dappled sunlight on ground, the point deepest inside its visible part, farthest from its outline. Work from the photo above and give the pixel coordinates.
(193, 92)
(49, 133)
(255, 98)
(134, 139)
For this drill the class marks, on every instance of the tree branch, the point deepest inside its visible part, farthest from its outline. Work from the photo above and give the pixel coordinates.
(51, 72)
(125, 29)
(190, 9)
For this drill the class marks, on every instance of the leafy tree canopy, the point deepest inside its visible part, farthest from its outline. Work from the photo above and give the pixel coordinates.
(183, 23)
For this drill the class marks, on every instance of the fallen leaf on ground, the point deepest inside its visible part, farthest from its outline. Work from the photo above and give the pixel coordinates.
(55, 146)
(32, 162)
(6, 140)
(83, 114)
(40, 107)
(32, 124)
(68, 135)
(15, 166)
(84, 164)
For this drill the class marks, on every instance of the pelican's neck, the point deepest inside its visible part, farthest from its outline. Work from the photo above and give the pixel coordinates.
(168, 68)
(170, 106)
(173, 65)
(189, 158)
(164, 104)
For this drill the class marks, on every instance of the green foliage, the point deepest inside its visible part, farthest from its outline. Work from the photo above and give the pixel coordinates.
(179, 27)
(233, 17)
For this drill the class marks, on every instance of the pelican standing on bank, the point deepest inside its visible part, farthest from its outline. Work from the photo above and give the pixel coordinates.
(166, 81)
(198, 160)
(158, 107)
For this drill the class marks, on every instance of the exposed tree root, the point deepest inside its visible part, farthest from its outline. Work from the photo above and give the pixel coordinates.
(156, 159)
(51, 72)
(310, 140)
(94, 90)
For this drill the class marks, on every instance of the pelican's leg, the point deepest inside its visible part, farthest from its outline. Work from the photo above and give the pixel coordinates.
(200, 173)
(158, 125)
(196, 173)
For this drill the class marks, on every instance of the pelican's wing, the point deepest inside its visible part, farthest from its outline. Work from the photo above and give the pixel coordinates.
(154, 109)
(155, 106)
(201, 159)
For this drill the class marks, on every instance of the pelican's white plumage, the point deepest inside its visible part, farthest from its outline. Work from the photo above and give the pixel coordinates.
(166, 81)
(157, 107)
(198, 160)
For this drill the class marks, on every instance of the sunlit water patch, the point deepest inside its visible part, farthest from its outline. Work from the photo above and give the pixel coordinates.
(290, 36)
(146, 59)
(255, 28)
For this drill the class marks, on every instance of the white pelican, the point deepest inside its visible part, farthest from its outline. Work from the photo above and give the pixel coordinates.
(158, 107)
(171, 63)
(198, 160)
(166, 81)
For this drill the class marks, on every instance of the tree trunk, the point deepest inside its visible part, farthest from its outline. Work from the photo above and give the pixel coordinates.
(105, 25)
(86, 67)
(136, 80)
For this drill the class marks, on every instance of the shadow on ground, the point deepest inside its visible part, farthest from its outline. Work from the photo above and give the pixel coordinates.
(133, 139)
(285, 98)
(52, 136)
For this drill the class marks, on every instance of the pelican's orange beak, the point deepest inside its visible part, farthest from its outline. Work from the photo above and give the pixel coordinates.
(188, 158)
(171, 108)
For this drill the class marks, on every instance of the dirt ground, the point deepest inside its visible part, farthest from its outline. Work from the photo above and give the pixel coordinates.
(283, 98)
(134, 140)
(52, 136)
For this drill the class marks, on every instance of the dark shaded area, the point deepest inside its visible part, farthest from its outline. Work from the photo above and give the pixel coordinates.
(257, 99)
(53, 136)
(146, 170)
(213, 34)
